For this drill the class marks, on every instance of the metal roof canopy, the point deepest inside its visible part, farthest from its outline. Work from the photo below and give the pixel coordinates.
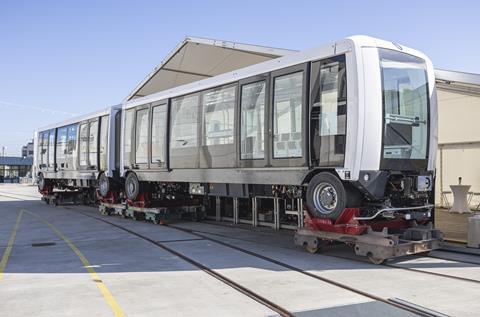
(197, 58)
(460, 82)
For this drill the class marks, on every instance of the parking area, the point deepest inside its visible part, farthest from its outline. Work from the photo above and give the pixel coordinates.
(72, 261)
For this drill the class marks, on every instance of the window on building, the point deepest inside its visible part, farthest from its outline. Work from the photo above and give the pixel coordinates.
(141, 137)
(159, 125)
(252, 104)
(127, 140)
(287, 115)
(184, 122)
(103, 142)
(83, 135)
(218, 115)
(93, 144)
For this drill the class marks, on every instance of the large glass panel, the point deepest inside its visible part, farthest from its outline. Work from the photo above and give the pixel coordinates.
(184, 122)
(218, 115)
(159, 126)
(252, 123)
(127, 138)
(93, 144)
(61, 146)
(72, 140)
(42, 148)
(329, 111)
(287, 116)
(405, 101)
(141, 137)
(51, 149)
(103, 142)
(83, 135)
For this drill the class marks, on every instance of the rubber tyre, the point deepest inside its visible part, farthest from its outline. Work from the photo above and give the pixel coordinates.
(132, 186)
(41, 183)
(103, 185)
(341, 195)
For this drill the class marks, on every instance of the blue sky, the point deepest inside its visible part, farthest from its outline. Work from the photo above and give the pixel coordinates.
(59, 58)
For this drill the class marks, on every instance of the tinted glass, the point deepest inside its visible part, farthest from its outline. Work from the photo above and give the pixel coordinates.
(218, 115)
(159, 126)
(252, 123)
(184, 122)
(405, 101)
(83, 159)
(329, 111)
(93, 144)
(127, 138)
(287, 116)
(103, 142)
(62, 143)
(72, 140)
(51, 148)
(141, 137)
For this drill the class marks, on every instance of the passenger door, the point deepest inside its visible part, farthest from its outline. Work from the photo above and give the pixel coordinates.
(141, 148)
(253, 122)
(159, 136)
(288, 117)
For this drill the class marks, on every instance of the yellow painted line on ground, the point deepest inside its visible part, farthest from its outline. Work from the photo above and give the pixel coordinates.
(8, 250)
(94, 275)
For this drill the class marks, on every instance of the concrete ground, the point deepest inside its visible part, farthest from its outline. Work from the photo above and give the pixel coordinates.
(55, 261)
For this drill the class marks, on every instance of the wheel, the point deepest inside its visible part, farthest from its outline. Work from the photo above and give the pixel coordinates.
(376, 260)
(103, 185)
(312, 250)
(132, 186)
(41, 182)
(326, 196)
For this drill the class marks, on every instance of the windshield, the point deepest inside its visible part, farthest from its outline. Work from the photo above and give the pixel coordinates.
(405, 102)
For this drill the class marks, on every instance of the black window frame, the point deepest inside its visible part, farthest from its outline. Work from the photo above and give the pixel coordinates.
(315, 161)
(141, 165)
(300, 161)
(219, 155)
(154, 165)
(253, 162)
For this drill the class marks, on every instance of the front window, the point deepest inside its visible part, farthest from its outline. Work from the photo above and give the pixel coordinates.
(405, 102)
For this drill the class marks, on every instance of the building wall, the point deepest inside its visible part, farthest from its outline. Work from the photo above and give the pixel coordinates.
(459, 142)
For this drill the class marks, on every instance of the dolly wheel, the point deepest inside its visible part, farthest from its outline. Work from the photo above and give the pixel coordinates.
(313, 249)
(375, 260)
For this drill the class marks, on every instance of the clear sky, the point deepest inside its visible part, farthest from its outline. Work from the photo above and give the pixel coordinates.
(59, 58)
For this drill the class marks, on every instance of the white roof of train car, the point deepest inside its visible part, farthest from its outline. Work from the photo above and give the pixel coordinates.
(76, 119)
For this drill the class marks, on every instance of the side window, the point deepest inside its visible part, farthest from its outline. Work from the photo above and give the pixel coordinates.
(93, 144)
(51, 148)
(159, 126)
(287, 115)
(83, 145)
(252, 104)
(72, 140)
(218, 115)
(329, 111)
(40, 149)
(141, 137)
(103, 142)
(127, 140)
(184, 122)
(62, 144)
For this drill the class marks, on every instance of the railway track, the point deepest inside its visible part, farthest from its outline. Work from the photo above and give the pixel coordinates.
(282, 311)
(397, 303)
